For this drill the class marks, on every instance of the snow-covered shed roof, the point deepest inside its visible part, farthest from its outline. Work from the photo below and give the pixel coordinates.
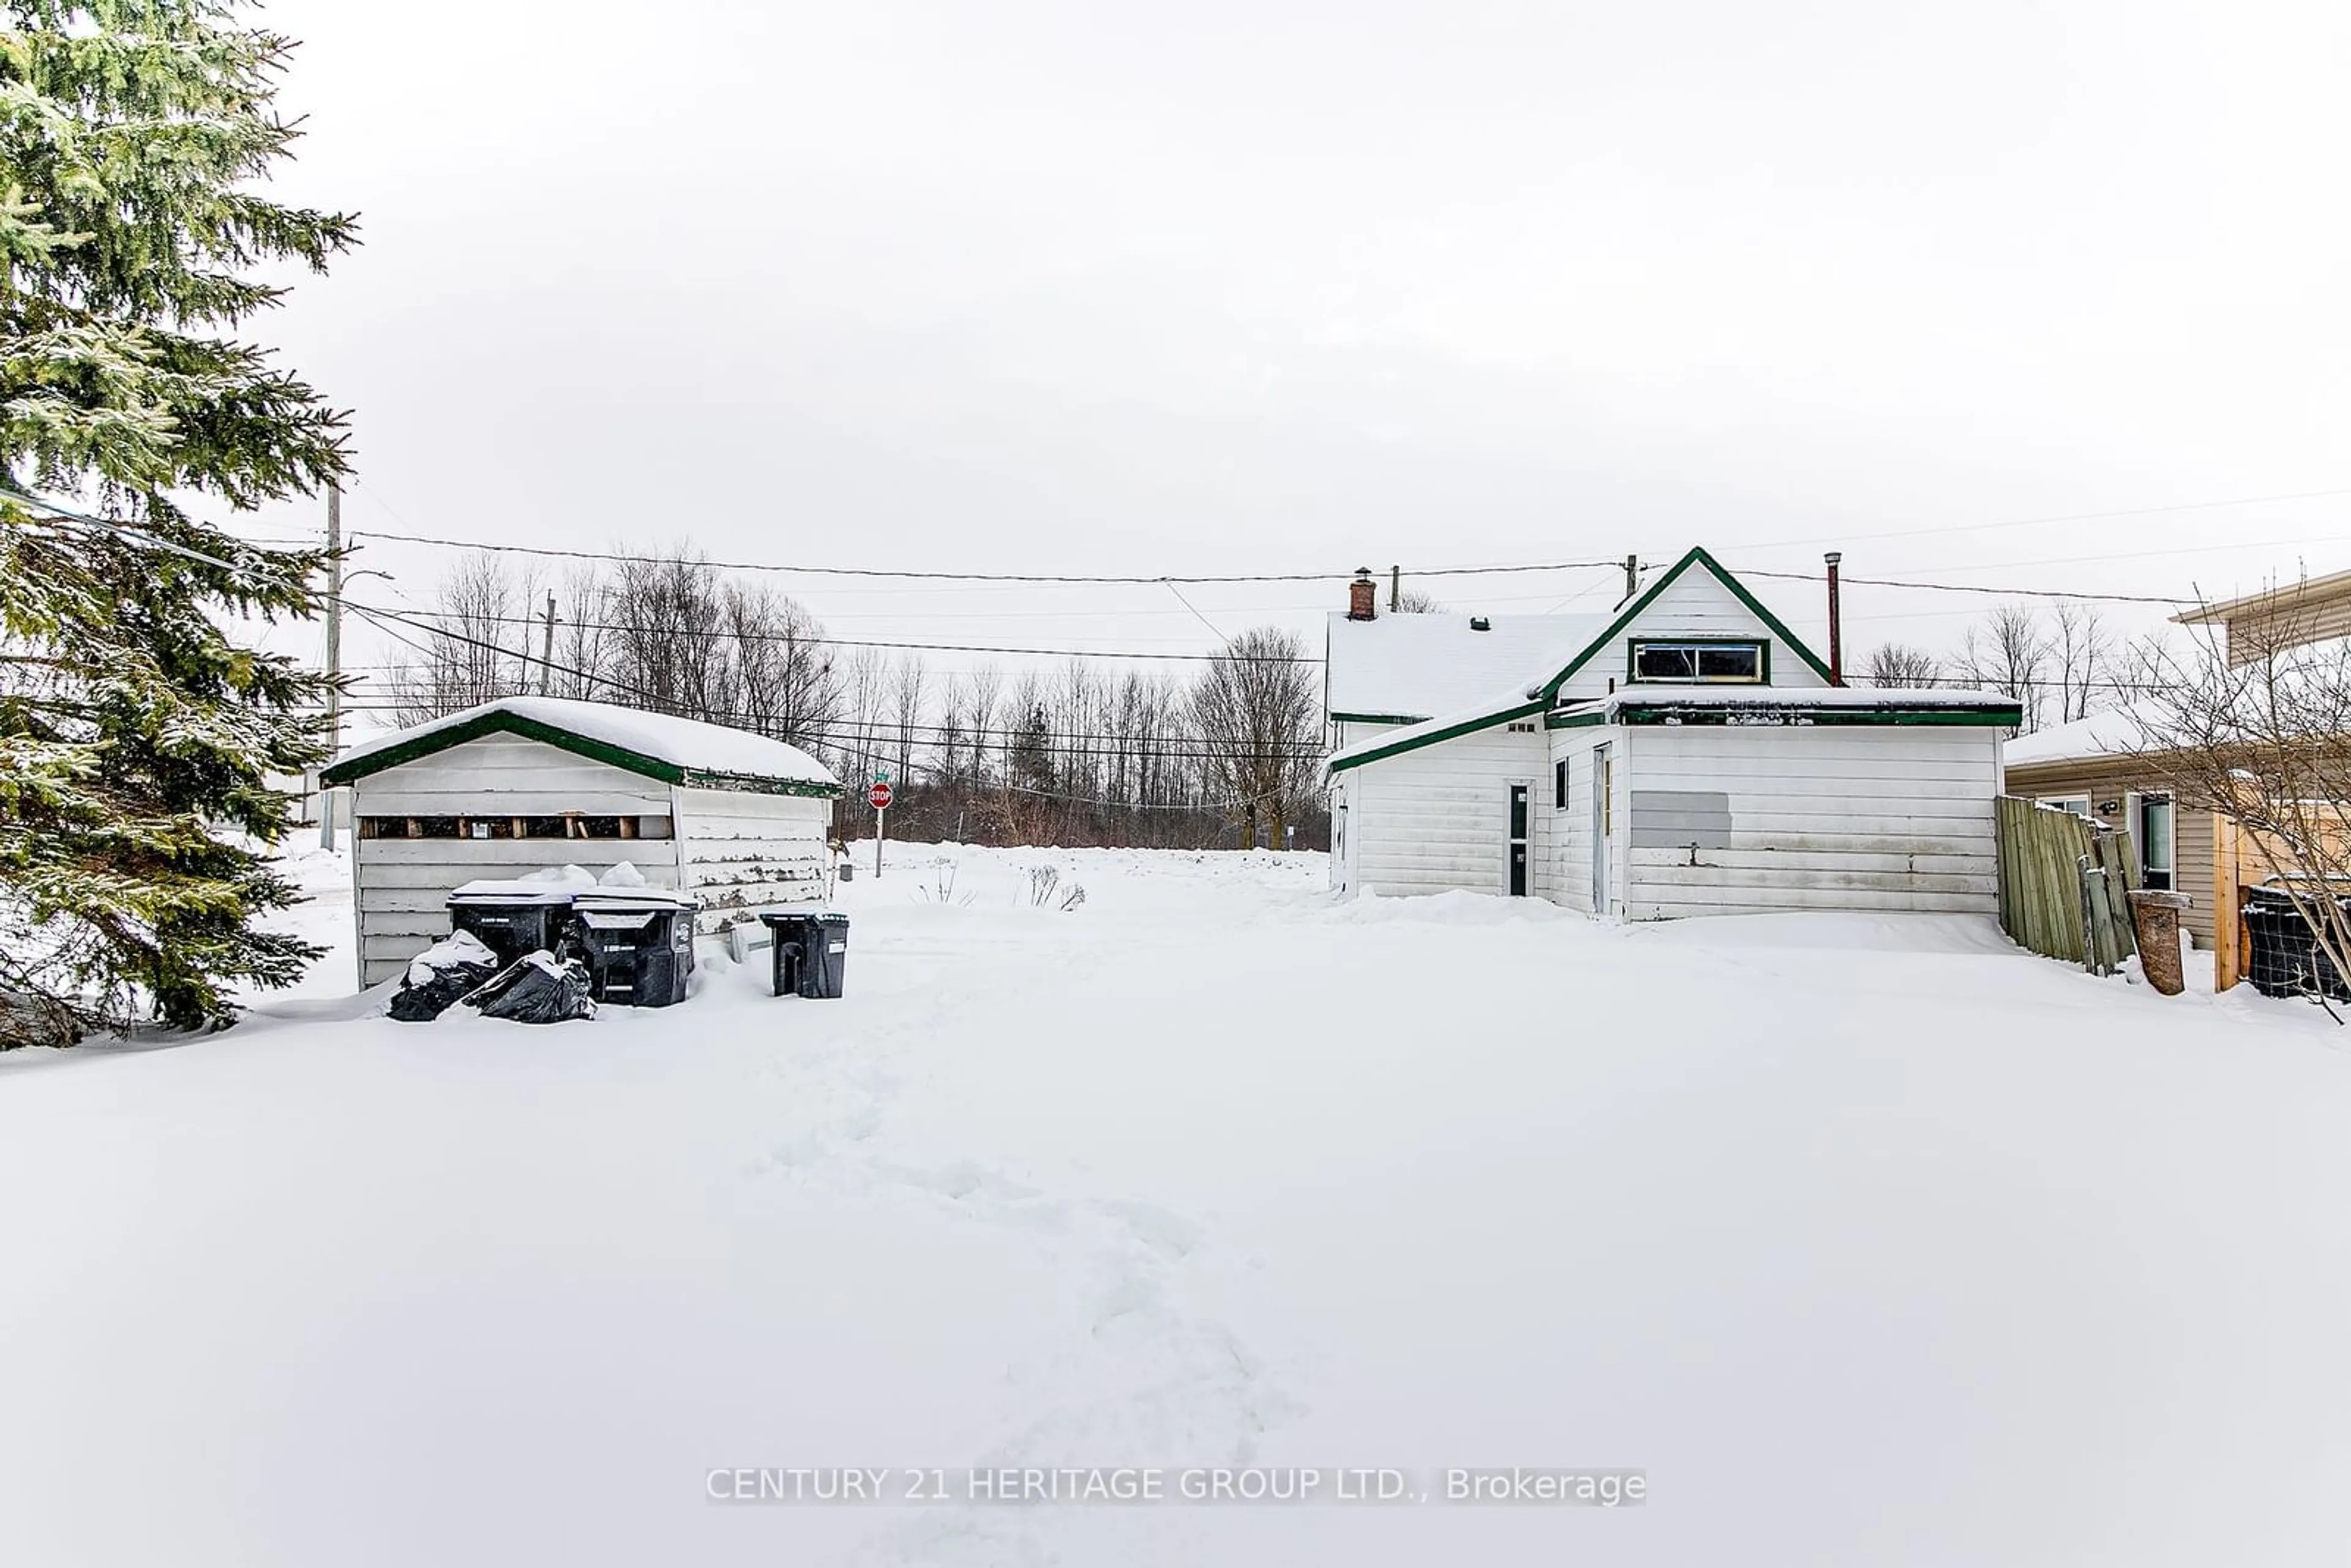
(2107, 734)
(1927, 705)
(657, 745)
(1661, 704)
(1407, 666)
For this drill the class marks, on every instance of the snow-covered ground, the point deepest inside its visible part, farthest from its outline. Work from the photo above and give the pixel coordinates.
(1869, 1241)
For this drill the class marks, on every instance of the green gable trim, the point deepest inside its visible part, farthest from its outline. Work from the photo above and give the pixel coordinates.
(1775, 715)
(1696, 556)
(1381, 717)
(621, 756)
(1450, 732)
(1573, 720)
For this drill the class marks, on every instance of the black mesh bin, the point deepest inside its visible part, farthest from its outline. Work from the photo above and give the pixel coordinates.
(638, 945)
(811, 951)
(513, 918)
(2282, 955)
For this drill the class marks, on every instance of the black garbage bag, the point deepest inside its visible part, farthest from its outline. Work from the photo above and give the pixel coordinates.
(538, 987)
(440, 975)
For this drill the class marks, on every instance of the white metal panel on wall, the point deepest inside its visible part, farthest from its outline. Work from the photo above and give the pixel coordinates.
(1736, 819)
(1438, 818)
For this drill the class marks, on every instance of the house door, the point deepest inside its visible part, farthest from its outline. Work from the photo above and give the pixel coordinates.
(1601, 783)
(1517, 841)
(2150, 828)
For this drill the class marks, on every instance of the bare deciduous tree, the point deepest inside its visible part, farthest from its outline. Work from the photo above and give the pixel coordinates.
(2083, 648)
(1900, 664)
(1255, 712)
(2258, 727)
(2009, 653)
(483, 609)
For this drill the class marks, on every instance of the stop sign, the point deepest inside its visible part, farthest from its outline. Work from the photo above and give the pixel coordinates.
(878, 797)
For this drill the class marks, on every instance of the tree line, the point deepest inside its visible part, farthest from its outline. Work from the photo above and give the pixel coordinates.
(1088, 752)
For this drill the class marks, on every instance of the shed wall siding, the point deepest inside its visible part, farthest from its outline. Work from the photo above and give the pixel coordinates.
(401, 887)
(1438, 818)
(507, 774)
(745, 850)
(1896, 818)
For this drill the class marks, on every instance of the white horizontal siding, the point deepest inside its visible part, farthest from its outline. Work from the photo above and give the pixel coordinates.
(1893, 817)
(400, 887)
(747, 851)
(507, 776)
(1696, 606)
(1438, 818)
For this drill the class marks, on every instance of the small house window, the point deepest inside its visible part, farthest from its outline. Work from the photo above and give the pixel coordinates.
(2077, 804)
(1718, 663)
(1559, 785)
(1520, 726)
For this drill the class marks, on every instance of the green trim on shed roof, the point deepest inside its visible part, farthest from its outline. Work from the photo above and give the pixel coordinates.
(1449, 732)
(499, 722)
(1381, 717)
(1770, 715)
(1697, 556)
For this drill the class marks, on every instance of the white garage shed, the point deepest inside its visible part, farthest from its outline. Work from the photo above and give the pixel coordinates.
(735, 820)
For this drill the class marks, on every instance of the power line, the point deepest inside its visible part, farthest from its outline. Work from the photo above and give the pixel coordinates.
(882, 734)
(1975, 588)
(866, 642)
(1030, 577)
(2065, 518)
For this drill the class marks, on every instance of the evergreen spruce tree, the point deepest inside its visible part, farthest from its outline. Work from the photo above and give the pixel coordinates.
(134, 728)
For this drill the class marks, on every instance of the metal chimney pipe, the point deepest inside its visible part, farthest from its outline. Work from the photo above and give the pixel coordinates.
(1836, 622)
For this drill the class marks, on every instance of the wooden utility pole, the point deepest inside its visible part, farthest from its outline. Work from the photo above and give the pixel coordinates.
(334, 656)
(546, 646)
(1396, 590)
(1632, 578)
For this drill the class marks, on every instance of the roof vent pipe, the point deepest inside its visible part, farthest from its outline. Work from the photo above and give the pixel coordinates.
(1363, 596)
(1836, 622)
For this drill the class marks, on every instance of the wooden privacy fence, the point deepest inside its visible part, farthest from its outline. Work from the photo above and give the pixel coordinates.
(2062, 885)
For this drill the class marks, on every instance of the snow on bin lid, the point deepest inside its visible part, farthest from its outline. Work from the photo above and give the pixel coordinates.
(491, 890)
(619, 898)
(660, 745)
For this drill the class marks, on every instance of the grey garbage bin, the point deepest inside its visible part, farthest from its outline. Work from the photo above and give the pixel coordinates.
(811, 951)
(637, 944)
(513, 918)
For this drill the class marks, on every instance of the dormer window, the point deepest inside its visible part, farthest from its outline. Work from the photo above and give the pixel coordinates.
(1707, 663)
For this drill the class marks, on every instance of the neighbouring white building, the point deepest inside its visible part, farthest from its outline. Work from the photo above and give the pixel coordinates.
(1684, 754)
(737, 821)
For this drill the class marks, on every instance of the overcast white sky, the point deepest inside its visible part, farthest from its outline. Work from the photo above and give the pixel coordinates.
(1123, 287)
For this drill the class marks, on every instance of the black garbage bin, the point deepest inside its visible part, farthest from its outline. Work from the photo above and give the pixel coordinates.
(811, 951)
(513, 918)
(637, 944)
(2282, 956)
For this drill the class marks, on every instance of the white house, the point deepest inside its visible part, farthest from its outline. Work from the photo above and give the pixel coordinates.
(1686, 754)
(737, 820)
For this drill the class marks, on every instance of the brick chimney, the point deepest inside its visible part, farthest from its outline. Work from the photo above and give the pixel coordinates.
(1363, 596)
